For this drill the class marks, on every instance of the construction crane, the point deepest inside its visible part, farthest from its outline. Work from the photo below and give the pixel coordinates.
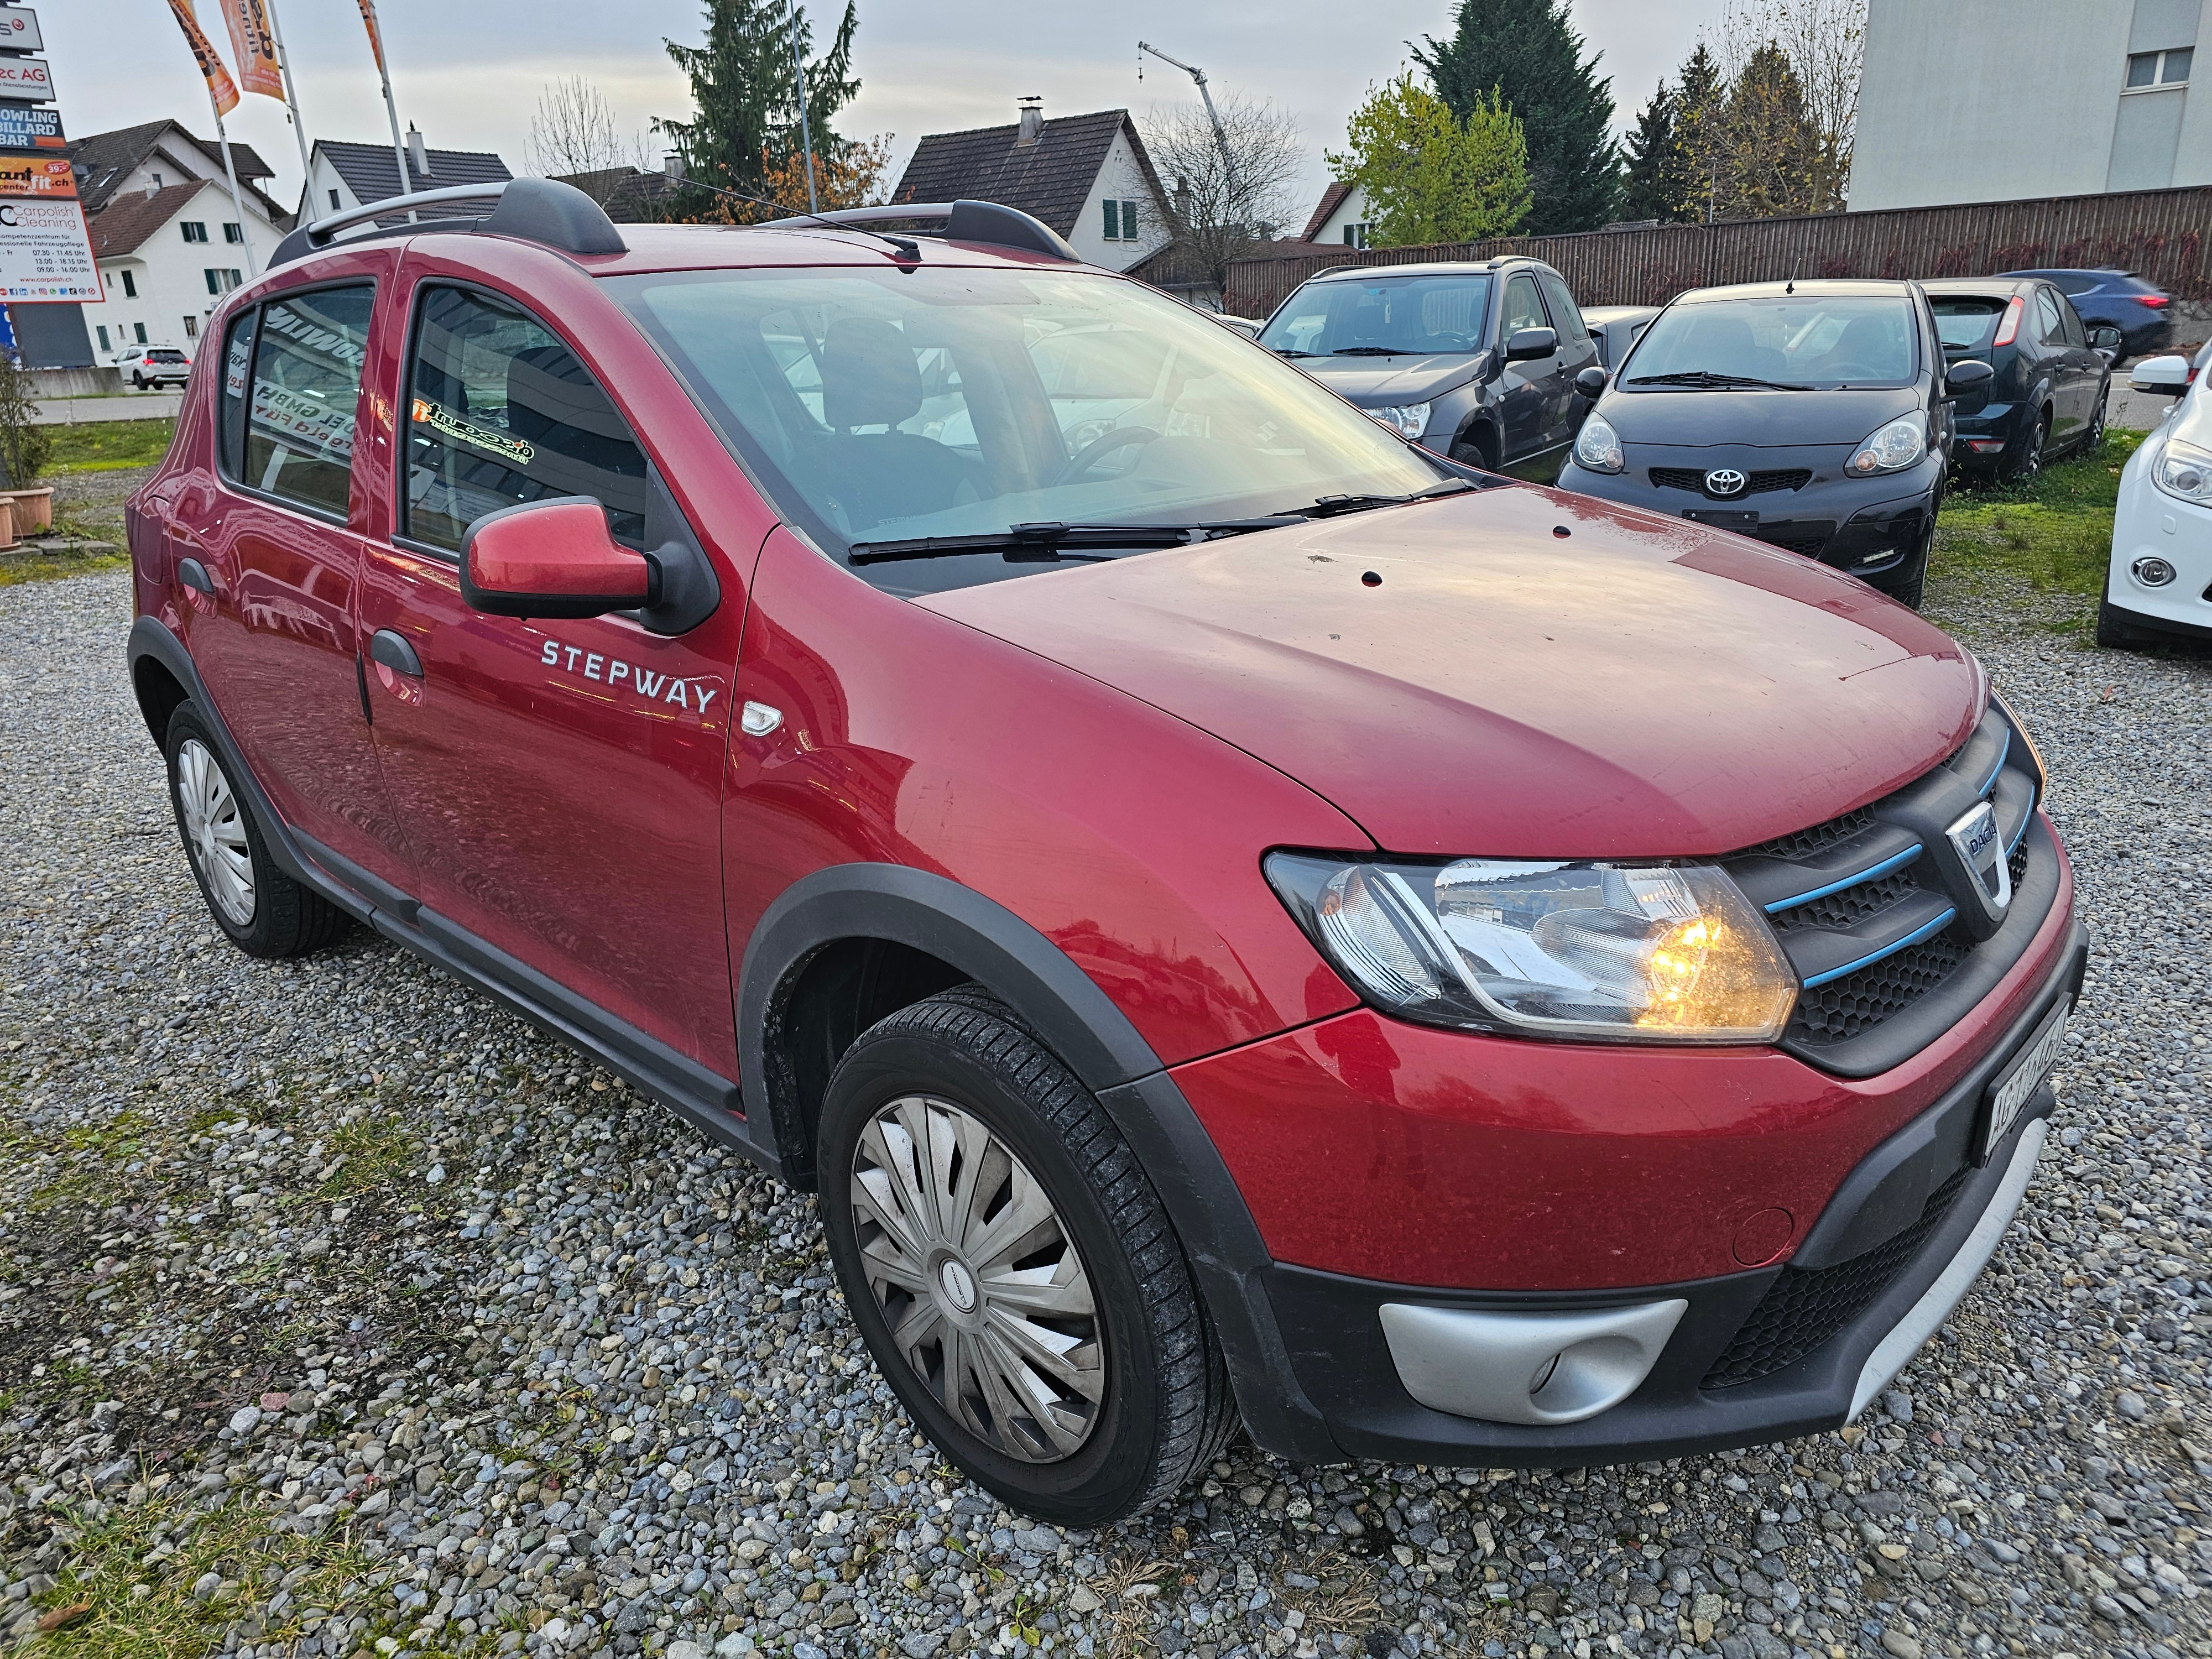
(1220, 133)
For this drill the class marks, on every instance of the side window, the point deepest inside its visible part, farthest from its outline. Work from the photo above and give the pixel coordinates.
(305, 388)
(2071, 320)
(2049, 330)
(1566, 315)
(237, 371)
(501, 411)
(1522, 308)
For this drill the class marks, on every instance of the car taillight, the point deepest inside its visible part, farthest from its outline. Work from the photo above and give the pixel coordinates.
(2153, 301)
(2015, 309)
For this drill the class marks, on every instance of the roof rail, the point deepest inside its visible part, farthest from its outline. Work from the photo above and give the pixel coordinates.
(964, 222)
(542, 210)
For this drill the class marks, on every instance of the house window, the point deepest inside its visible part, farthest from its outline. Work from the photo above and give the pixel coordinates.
(234, 233)
(1121, 221)
(1356, 235)
(139, 330)
(195, 231)
(104, 346)
(192, 327)
(129, 286)
(2150, 70)
(221, 281)
(334, 200)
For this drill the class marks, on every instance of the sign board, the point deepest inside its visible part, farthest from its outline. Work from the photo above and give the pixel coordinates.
(19, 30)
(46, 252)
(27, 80)
(37, 175)
(31, 126)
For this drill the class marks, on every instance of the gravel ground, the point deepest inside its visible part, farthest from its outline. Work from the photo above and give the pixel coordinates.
(341, 1312)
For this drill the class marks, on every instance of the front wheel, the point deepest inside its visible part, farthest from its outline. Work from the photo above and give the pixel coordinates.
(1011, 1268)
(138, 380)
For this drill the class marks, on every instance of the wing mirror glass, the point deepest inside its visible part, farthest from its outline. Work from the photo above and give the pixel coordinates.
(1966, 376)
(2105, 337)
(1527, 343)
(2162, 377)
(1591, 381)
(552, 558)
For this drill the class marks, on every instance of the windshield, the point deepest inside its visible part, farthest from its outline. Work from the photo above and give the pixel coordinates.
(891, 405)
(1966, 321)
(1382, 316)
(1802, 340)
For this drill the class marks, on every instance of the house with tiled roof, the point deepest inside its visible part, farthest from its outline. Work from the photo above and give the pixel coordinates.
(628, 195)
(168, 240)
(1086, 176)
(341, 176)
(1340, 217)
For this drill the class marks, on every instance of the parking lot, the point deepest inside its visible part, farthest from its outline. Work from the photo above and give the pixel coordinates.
(341, 1311)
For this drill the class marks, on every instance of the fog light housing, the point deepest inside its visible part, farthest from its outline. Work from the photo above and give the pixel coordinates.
(2152, 571)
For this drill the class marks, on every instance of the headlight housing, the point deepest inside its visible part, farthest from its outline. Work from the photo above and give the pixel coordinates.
(1597, 446)
(1602, 952)
(1411, 419)
(2184, 470)
(1890, 449)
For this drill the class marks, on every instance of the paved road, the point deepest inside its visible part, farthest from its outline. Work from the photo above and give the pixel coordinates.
(128, 406)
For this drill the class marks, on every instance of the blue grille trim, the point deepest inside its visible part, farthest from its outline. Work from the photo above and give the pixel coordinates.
(1898, 862)
(2003, 754)
(1912, 938)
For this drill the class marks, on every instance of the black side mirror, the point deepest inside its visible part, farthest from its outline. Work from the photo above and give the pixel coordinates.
(1526, 342)
(1966, 376)
(2105, 338)
(1591, 382)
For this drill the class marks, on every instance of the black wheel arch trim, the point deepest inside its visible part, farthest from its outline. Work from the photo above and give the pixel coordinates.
(1074, 1017)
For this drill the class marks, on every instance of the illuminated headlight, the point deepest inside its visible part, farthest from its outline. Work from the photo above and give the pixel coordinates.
(1895, 448)
(1411, 419)
(1605, 952)
(2185, 471)
(1597, 446)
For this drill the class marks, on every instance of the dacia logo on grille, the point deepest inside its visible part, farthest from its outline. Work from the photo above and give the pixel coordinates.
(1725, 481)
(1974, 837)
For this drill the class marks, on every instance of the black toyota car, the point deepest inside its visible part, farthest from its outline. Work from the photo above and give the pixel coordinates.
(1813, 415)
(1474, 360)
(2050, 372)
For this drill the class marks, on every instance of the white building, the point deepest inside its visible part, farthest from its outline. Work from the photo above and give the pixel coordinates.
(1341, 216)
(341, 176)
(167, 238)
(1992, 101)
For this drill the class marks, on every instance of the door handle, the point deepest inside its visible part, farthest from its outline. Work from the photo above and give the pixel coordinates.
(193, 574)
(394, 652)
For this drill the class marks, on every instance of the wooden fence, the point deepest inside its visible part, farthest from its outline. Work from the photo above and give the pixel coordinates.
(2161, 234)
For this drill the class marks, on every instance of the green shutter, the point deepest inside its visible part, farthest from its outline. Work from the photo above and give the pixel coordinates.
(1113, 223)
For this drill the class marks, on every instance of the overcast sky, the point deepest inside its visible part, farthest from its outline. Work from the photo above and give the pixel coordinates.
(468, 72)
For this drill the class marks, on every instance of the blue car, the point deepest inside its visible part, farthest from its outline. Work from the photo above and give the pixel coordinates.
(2139, 310)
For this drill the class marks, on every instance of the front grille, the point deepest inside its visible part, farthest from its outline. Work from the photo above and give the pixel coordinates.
(1843, 1008)
(1759, 484)
(1804, 843)
(1846, 909)
(1803, 1309)
(1805, 547)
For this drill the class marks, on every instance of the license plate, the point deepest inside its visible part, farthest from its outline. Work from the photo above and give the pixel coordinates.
(1719, 520)
(2019, 1080)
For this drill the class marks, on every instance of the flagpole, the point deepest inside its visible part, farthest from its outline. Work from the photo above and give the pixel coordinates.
(292, 100)
(391, 108)
(237, 201)
(805, 139)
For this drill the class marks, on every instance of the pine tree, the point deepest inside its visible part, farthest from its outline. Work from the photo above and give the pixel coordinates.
(1648, 179)
(1525, 52)
(1772, 145)
(1701, 157)
(743, 79)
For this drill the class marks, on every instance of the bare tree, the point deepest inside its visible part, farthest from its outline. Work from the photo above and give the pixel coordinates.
(575, 136)
(1824, 42)
(1227, 190)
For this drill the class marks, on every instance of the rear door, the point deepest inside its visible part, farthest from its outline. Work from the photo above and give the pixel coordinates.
(2068, 414)
(2084, 365)
(1527, 390)
(1577, 352)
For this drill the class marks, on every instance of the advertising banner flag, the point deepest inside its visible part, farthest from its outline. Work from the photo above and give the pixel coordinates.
(253, 45)
(375, 35)
(222, 92)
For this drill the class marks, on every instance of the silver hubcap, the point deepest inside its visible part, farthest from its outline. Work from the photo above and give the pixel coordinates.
(214, 834)
(977, 1279)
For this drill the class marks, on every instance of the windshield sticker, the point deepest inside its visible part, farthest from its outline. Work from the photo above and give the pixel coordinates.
(441, 419)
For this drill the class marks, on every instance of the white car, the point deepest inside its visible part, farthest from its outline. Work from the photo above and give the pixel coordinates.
(2160, 582)
(153, 366)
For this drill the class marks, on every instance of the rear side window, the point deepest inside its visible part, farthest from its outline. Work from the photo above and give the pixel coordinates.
(306, 386)
(2048, 328)
(501, 411)
(2071, 320)
(237, 376)
(1566, 315)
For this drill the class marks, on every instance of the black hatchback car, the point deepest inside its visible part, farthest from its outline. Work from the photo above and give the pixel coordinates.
(2141, 309)
(1812, 416)
(1476, 359)
(2050, 372)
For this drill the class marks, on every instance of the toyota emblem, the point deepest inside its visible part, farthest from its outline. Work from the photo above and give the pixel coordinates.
(1725, 481)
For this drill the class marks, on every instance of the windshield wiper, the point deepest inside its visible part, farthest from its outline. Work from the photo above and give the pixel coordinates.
(1328, 507)
(1374, 351)
(1706, 377)
(1291, 351)
(1049, 543)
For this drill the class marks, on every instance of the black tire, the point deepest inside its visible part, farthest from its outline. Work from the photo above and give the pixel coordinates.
(1165, 1407)
(1479, 449)
(2095, 435)
(138, 380)
(2028, 464)
(281, 918)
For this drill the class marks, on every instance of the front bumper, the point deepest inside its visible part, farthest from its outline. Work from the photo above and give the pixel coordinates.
(2146, 523)
(1737, 1359)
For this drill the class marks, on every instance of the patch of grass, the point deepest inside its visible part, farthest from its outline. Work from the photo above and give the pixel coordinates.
(2053, 536)
(375, 1149)
(105, 446)
(45, 567)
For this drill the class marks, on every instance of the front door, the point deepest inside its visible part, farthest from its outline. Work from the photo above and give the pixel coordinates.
(1528, 387)
(559, 782)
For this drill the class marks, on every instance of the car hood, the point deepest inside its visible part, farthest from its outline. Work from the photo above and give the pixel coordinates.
(1775, 420)
(1383, 382)
(1640, 687)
